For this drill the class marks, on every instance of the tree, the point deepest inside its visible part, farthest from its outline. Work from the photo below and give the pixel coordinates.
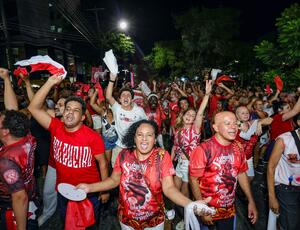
(283, 56)
(122, 45)
(207, 37)
(165, 59)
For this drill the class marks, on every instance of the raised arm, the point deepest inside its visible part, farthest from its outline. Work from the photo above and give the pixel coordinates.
(36, 105)
(29, 90)
(109, 90)
(94, 104)
(10, 99)
(199, 116)
(176, 87)
(229, 91)
(290, 114)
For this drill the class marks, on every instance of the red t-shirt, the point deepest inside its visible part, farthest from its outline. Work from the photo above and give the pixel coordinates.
(188, 141)
(158, 116)
(248, 145)
(138, 207)
(174, 110)
(217, 167)
(74, 153)
(16, 169)
(213, 104)
(278, 126)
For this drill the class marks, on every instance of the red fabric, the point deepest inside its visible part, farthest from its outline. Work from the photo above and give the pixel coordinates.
(278, 126)
(158, 116)
(268, 89)
(20, 70)
(248, 145)
(79, 215)
(74, 153)
(224, 78)
(138, 208)
(85, 88)
(174, 110)
(100, 91)
(188, 141)
(190, 99)
(16, 168)
(217, 167)
(213, 104)
(46, 66)
(11, 223)
(278, 83)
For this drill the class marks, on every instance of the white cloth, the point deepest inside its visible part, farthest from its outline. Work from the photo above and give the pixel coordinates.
(214, 73)
(125, 118)
(272, 220)
(190, 218)
(49, 196)
(145, 89)
(111, 62)
(250, 132)
(42, 59)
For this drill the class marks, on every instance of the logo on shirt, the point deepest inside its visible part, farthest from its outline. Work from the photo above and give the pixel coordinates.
(11, 176)
(72, 156)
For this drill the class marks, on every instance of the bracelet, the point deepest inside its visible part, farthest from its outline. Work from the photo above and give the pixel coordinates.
(111, 81)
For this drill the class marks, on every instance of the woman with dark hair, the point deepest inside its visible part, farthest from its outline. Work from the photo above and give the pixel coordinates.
(144, 173)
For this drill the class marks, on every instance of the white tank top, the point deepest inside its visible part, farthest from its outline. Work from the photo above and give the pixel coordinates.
(286, 172)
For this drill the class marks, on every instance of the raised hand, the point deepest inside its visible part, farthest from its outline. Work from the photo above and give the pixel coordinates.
(4, 73)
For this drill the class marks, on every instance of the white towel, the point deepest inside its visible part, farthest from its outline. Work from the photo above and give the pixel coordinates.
(190, 218)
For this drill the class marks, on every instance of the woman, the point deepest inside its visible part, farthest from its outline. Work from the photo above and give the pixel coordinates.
(249, 132)
(109, 133)
(186, 138)
(144, 172)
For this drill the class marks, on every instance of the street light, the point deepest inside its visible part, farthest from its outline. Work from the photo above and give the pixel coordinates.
(123, 25)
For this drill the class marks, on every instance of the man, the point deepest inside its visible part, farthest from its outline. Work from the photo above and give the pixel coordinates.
(154, 112)
(215, 167)
(125, 114)
(284, 173)
(76, 148)
(49, 191)
(17, 183)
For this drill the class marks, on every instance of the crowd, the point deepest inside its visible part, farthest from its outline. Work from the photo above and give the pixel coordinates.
(194, 143)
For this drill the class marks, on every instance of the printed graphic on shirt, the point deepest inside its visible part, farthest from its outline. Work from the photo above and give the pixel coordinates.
(11, 176)
(71, 155)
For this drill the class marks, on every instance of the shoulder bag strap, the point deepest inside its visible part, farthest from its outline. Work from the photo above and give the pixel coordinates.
(296, 138)
(181, 146)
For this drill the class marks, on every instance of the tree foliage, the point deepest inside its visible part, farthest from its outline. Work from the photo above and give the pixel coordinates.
(122, 45)
(207, 36)
(165, 58)
(283, 56)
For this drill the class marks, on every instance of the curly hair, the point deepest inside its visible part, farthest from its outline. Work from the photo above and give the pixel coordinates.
(16, 122)
(128, 139)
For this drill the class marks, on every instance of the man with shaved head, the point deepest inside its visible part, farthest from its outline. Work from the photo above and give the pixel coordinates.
(215, 168)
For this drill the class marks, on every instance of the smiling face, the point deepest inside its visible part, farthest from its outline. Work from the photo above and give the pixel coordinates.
(125, 98)
(226, 127)
(73, 115)
(189, 117)
(242, 113)
(183, 104)
(144, 139)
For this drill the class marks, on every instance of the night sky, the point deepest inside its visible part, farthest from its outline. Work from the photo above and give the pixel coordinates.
(152, 21)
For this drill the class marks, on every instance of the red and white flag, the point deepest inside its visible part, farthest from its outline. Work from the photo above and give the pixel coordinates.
(39, 62)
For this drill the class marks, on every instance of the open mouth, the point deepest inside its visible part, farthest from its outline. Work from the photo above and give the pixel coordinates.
(144, 146)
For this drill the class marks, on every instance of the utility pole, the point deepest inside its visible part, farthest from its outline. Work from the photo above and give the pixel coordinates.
(6, 36)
